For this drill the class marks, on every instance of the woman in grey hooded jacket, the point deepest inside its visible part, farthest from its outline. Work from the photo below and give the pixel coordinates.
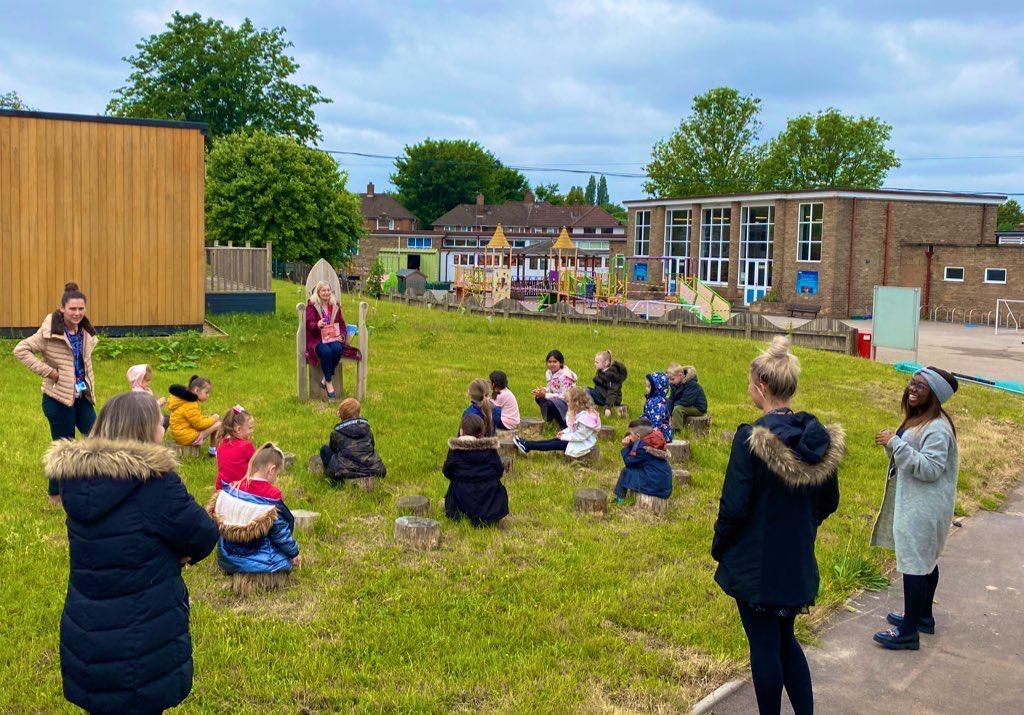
(920, 494)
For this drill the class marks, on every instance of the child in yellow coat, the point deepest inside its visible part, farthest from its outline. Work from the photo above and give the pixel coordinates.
(188, 425)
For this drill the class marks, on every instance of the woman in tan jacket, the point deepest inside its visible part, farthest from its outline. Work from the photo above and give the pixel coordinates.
(65, 342)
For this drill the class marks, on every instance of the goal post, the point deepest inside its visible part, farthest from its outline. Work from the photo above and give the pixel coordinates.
(1010, 311)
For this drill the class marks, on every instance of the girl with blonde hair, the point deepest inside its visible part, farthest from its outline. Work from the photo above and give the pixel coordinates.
(481, 405)
(583, 422)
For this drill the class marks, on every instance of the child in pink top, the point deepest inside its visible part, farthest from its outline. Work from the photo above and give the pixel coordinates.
(236, 449)
(140, 377)
(504, 400)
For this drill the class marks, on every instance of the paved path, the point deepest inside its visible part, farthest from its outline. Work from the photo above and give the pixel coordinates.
(973, 664)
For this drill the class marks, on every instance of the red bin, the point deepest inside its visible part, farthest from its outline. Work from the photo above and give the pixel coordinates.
(864, 344)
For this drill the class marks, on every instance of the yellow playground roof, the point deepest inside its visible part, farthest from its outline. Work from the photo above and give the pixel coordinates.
(563, 242)
(498, 240)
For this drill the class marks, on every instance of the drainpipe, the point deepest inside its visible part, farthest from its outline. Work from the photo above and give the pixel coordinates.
(888, 239)
(984, 215)
(928, 276)
(849, 272)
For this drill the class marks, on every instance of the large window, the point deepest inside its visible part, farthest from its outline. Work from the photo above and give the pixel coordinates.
(809, 226)
(418, 242)
(714, 245)
(460, 243)
(757, 224)
(642, 237)
(677, 233)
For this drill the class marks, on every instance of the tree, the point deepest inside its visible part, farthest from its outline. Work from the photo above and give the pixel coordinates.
(373, 280)
(713, 151)
(591, 192)
(202, 70)
(548, 193)
(436, 175)
(11, 100)
(829, 149)
(1009, 216)
(616, 210)
(602, 192)
(576, 196)
(261, 187)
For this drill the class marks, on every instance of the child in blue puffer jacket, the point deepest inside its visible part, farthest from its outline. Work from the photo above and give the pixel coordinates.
(254, 522)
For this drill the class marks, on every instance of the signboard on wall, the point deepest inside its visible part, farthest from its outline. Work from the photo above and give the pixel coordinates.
(895, 317)
(807, 282)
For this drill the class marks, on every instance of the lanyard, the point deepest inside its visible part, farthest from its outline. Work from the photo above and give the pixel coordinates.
(76, 351)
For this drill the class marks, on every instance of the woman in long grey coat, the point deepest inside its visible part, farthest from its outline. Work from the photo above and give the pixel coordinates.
(920, 494)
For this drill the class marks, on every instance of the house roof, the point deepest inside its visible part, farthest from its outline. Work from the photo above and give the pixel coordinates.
(520, 213)
(840, 193)
(375, 205)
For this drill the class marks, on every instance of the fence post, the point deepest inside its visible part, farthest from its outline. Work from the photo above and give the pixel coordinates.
(270, 266)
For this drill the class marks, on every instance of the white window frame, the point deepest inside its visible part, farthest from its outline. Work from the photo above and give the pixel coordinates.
(945, 274)
(642, 233)
(390, 224)
(745, 224)
(714, 270)
(1002, 282)
(808, 242)
(419, 242)
(671, 239)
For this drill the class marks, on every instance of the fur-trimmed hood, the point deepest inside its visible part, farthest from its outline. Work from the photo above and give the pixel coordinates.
(469, 444)
(798, 448)
(183, 393)
(241, 517)
(53, 325)
(113, 459)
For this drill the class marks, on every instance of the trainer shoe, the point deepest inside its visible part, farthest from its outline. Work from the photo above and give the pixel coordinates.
(519, 444)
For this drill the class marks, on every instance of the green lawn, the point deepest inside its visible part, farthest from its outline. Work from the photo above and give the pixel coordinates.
(551, 614)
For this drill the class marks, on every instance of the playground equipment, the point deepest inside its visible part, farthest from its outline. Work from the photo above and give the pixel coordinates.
(695, 295)
(307, 377)
(569, 280)
(491, 279)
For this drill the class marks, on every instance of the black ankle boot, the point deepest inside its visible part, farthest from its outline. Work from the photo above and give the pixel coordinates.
(893, 639)
(925, 625)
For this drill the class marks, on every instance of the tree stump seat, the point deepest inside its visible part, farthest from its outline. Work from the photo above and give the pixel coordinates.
(304, 519)
(289, 460)
(681, 477)
(414, 505)
(417, 533)
(678, 451)
(190, 451)
(367, 484)
(245, 584)
(699, 424)
(316, 465)
(589, 459)
(530, 428)
(606, 432)
(590, 501)
(654, 505)
(620, 411)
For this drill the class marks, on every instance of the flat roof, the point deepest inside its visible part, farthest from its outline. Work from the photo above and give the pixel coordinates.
(168, 123)
(956, 197)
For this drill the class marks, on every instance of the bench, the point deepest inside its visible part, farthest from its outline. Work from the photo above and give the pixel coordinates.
(803, 308)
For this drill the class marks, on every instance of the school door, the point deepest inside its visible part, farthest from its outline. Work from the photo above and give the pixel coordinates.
(758, 280)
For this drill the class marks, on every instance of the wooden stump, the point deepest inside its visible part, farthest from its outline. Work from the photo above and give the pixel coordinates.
(505, 435)
(590, 458)
(508, 461)
(367, 484)
(304, 519)
(620, 411)
(531, 428)
(244, 584)
(316, 465)
(289, 460)
(681, 477)
(590, 501)
(413, 506)
(699, 425)
(190, 451)
(679, 451)
(417, 533)
(606, 432)
(655, 505)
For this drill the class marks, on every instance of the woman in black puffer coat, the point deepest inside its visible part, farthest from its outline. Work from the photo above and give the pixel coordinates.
(132, 526)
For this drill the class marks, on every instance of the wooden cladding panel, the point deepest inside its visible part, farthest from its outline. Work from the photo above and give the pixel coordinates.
(117, 208)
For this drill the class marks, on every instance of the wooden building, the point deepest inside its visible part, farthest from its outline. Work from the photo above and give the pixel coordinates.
(115, 205)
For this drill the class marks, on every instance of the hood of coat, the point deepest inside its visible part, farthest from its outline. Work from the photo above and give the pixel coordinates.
(180, 395)
(98, 474)
(53, 325)
(356, 428)
(689, 374)
(798, 448)
(659, 384)
(241, 517)
(472, 444)
(616, 372)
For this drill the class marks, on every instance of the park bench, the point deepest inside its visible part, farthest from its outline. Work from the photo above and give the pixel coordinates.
(803, 308)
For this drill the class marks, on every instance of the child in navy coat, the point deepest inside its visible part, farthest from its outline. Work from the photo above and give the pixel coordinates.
(474, 469)
(647, 470)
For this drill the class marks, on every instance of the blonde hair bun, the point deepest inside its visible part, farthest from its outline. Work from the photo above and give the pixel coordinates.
(777, 368)
(779, 347)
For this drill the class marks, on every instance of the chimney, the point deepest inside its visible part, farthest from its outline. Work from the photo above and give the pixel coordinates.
(369, 190)
(527, 197)
(479, 205)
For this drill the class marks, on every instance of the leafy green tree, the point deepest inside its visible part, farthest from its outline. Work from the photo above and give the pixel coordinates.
(602, 192)
(591, 192)
(616, 210)
(436, 175)
(373, 282)
(714, 150)
(829, 149)
(548, 193)
(261, 187)
(203, 70)
(11, 100)
(576, 196)
(1009, 216)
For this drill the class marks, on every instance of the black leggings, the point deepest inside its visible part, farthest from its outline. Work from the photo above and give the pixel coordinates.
(546, 445)
(918, 594)
(550, 412)
(776, 661)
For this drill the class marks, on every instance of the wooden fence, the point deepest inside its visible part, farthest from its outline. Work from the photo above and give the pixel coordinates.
(238, 269)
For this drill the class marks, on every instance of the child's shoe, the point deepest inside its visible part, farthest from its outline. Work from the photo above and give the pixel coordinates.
(213, 451)
(619, 501)
(519, 444)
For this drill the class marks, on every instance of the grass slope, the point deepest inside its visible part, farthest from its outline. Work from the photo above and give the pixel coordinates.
(553, 613)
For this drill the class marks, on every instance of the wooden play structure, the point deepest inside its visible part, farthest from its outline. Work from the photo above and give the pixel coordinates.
(695, 295)
(308, 376)
(490, 281)
(575, 278)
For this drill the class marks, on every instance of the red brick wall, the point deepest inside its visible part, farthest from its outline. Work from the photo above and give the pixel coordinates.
(973, 293)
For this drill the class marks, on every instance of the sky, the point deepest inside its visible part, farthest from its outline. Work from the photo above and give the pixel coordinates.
(587, 85)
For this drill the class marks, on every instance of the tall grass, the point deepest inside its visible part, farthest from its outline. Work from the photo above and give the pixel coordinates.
(552, 613)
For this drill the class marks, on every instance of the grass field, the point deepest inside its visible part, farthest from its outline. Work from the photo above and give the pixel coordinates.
(551, 614)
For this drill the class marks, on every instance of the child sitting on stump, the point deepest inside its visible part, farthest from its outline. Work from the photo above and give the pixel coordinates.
(188, 426)
(551, 399)
(480, 405)
(580, 434)
(647, 470)
(686, 398)
(255, 525)
(236, 448)
(607, 389)
(504, 401)
(655, 406)
(475, 470)
(351, 453)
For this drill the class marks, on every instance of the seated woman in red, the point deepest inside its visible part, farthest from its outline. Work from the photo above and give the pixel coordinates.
(326, 334)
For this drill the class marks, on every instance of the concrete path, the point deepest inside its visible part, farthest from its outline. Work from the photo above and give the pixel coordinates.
(973, 664)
